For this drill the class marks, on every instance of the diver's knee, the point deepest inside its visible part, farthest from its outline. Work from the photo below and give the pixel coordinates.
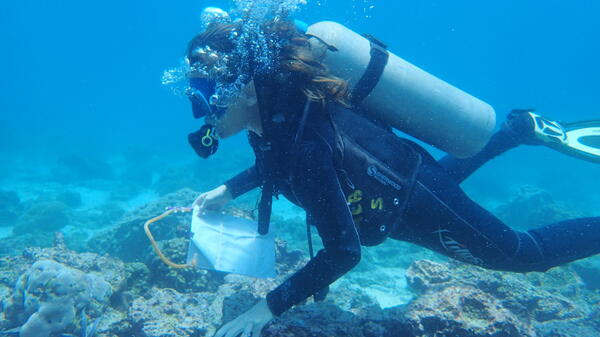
(349, 258)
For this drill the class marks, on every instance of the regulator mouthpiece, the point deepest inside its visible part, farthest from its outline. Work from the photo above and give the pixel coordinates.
(204, 141)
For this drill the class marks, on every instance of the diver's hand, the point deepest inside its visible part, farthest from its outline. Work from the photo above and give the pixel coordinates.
(213, 199)
(249, 324)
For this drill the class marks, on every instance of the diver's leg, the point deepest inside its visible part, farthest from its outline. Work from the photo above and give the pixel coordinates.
(441, 217)
(517, 130)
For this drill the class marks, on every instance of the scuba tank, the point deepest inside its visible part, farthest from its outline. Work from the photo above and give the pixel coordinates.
(402, 95)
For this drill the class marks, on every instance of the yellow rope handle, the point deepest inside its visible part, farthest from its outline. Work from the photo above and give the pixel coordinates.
(155, 245)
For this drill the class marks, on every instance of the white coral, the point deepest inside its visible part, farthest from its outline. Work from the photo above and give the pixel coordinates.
(52, 294)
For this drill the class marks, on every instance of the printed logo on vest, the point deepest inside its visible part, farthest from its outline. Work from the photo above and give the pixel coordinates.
(382, 178)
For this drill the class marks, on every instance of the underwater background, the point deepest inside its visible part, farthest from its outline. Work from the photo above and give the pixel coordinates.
(85, 78)
(89, 133)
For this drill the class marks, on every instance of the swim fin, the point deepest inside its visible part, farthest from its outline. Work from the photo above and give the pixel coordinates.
(579, 139)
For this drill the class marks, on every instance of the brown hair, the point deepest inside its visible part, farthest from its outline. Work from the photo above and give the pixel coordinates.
(294, 55)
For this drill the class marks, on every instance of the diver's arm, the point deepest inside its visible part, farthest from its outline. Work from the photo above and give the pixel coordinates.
(218, 197)
(318, 190)
(243, 182)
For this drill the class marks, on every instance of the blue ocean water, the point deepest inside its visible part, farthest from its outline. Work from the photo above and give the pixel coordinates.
(81, 82)
(86, 77)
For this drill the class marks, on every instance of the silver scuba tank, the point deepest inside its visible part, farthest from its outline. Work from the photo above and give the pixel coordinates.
(403, 95)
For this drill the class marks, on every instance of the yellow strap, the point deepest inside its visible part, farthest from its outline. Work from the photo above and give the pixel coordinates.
(155, 245)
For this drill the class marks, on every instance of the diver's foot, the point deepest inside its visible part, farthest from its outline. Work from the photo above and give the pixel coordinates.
(526, 127)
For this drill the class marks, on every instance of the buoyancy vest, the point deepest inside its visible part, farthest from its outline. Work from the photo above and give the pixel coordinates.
(377, 173)
(376, 168)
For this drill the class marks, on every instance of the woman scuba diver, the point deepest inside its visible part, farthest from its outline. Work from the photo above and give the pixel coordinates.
(358, 182)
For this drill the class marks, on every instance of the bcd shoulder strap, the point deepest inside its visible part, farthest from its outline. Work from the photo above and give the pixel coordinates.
(277, 98)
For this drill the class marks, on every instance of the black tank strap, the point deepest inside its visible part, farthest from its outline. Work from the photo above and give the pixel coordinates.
(274, 99)
(371, 76)
(265, 94)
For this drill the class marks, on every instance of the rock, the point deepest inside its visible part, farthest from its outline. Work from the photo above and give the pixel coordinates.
(114, 323)
(288, 260)
(70, 198)
(350, 298)
(14, 245)
(173, 180)
(50, 297)
(96, 267)
(138, 280)
(533, 207)
(169, 313)
(454, 300)
(9, 204)
(589, 271)
(8, 218)
(326, 319)
(215, 299)
(74, 168)
(463, 300)
(110, 213)
(103, 216)
(184, 280)
(138, 175)
(129, 231)
(463, 311)
(125, 191)
(425, 275)
(110, 269)
(9, 200)
(317, 319)
(43, 216)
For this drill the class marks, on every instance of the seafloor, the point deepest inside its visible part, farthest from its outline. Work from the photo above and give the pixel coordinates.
(74, 261)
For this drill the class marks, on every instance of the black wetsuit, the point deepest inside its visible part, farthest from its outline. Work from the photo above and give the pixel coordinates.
(438, 216)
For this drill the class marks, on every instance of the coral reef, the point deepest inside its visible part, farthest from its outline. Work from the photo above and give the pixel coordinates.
(14, 245)
(129, 232)
(49, 296)
(74, 168)
(173, 180)
(70, 198)
(124, 191)
(533, 207)
(9, 203)
(138, 175)
(138, 282)
(57, 290)
(43, 216)
(169, 313)
(455, 299)
(183, 280)
(451, 299)
(99, 217)
(7, 218)
(9, 199)
(589, 271)
(150, 299)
